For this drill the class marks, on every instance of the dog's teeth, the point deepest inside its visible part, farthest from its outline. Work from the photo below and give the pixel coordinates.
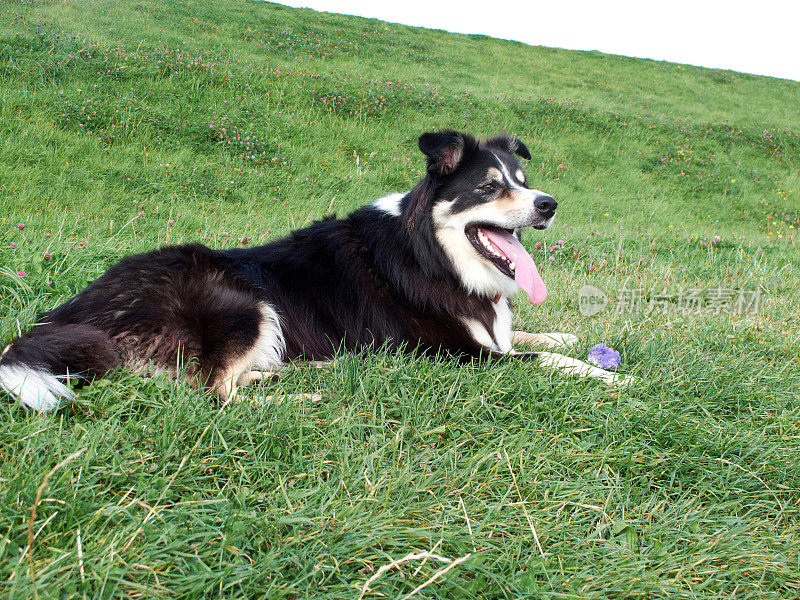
(490, 248)
(512, 266)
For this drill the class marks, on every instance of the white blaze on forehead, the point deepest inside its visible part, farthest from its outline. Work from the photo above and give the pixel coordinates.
(507, 175)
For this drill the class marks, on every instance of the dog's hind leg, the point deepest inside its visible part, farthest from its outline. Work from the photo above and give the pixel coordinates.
(230, 389)
(274, 374)
(251, 344)
(248, 377)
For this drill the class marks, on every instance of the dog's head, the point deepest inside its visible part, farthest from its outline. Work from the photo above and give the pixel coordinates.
(473, 199)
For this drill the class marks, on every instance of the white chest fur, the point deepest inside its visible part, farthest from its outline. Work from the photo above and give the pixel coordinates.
(501, 328)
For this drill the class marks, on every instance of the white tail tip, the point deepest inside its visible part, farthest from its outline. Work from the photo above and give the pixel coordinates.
(36, 389)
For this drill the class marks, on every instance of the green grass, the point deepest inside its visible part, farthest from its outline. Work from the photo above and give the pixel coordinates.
(125, 126)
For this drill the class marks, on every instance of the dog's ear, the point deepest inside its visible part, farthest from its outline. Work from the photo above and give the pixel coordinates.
(510, 144)
(445, 150)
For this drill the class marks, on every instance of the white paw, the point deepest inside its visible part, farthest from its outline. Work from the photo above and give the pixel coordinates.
(572, 366)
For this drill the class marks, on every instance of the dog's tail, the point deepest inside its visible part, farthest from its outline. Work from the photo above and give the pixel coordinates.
(35, 366)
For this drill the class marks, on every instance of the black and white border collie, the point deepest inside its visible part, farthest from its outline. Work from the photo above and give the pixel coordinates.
(429, 270)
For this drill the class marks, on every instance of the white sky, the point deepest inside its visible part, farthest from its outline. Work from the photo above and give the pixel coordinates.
(761, 37)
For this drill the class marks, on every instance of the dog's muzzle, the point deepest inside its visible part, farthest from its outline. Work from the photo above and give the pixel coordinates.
(544, 211)
(546, 205)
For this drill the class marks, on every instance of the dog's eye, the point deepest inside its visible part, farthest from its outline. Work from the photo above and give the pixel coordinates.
(488, 187)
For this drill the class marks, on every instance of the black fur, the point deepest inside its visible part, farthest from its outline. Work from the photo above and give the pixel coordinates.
(339, 284)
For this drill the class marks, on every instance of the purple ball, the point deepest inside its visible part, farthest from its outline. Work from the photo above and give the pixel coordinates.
(604, 357)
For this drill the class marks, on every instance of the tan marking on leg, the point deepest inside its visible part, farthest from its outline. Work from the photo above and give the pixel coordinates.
(227, 390)
(550, 340)
(251, 376)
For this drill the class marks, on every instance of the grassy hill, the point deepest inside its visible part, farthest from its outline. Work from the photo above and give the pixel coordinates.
(128, 125)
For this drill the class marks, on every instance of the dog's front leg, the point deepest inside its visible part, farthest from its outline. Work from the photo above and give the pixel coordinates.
(485, 355)
(572, 366)
(559, 362)
(548, 340)
(516, 355)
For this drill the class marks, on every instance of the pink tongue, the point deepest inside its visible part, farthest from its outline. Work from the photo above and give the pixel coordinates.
(525, 274)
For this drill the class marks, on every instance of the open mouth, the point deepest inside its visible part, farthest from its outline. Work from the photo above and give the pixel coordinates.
(499, 246)
(479, 236)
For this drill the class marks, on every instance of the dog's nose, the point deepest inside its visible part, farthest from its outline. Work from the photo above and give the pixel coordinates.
(545, 203)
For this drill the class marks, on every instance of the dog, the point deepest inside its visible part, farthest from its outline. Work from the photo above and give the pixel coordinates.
(430, 270)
